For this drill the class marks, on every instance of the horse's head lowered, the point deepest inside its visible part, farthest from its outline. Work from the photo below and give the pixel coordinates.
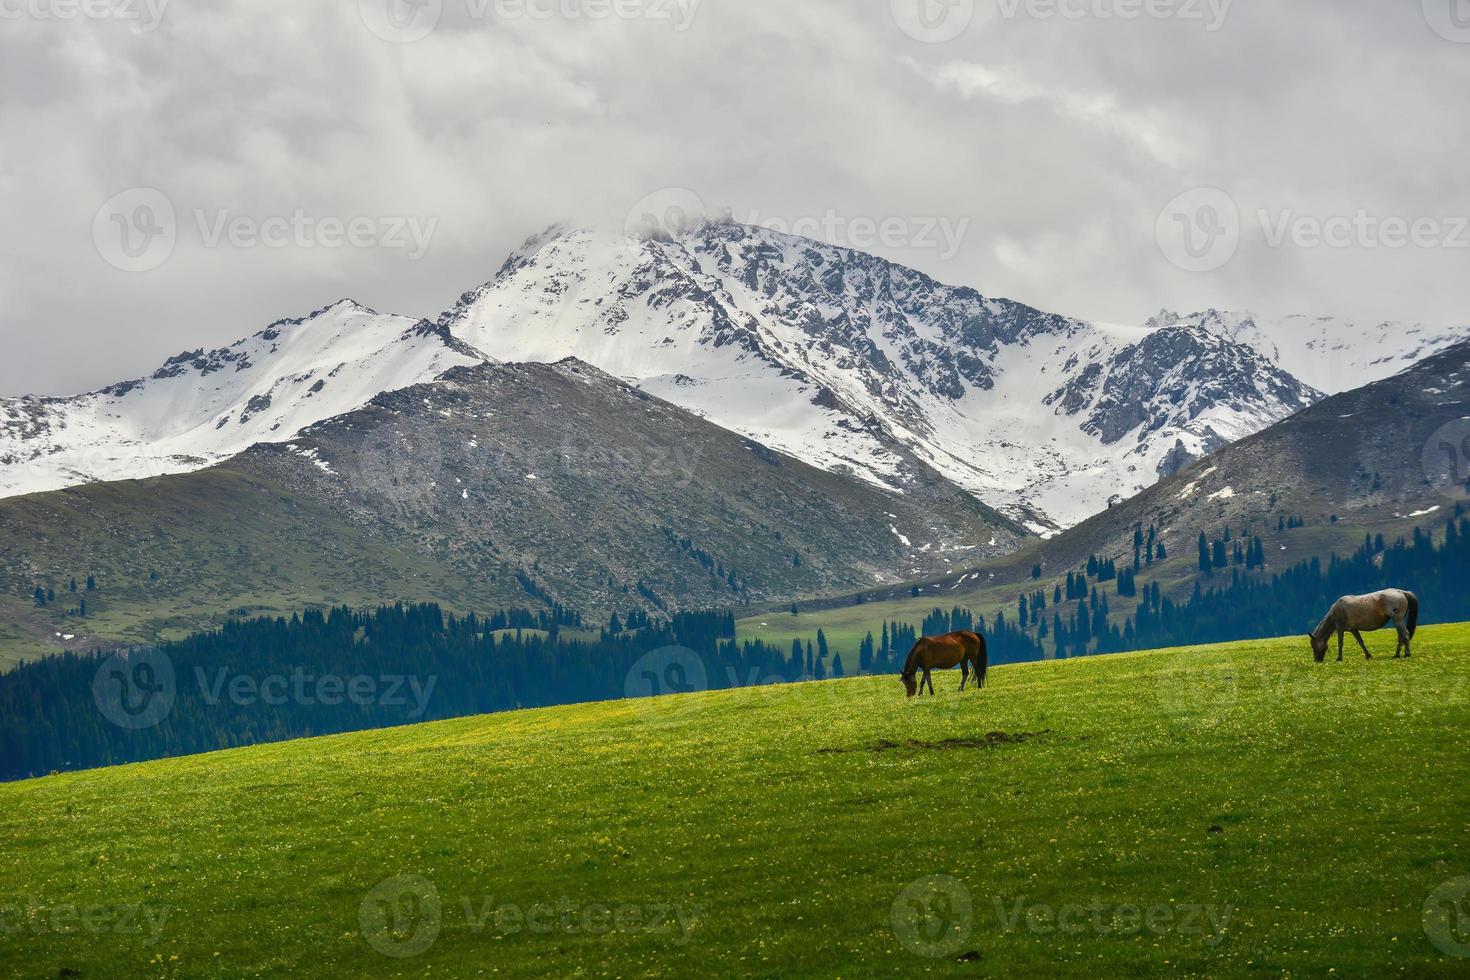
(909, 684)
(1319, 647)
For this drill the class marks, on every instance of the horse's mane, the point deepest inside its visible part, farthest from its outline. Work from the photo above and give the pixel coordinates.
(911, 663)
(1324, 628)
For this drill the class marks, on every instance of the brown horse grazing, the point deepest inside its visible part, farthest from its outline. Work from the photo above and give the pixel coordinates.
(963, 649)
(1352, 613)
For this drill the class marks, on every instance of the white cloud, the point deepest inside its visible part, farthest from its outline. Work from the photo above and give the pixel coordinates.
(1058, 140)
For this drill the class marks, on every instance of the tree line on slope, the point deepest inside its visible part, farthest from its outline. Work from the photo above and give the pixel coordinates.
(51, 715)
(317, 673)
(1233, 598)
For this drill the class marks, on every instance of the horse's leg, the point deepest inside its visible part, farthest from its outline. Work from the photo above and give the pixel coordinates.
(1359, 637)
(1340, 635)
(1403, 631)
(964, 672)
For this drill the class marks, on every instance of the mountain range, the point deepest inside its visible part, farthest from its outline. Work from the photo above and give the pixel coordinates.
(1383, 459)
(730, 416)
(494, 486)
(841, 359)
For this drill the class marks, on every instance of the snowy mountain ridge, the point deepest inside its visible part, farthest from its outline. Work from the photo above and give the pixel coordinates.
(840, 358)
(201, 407)
(848, 361)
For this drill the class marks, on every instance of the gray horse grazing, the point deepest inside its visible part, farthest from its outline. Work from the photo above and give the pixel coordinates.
(1352, 613)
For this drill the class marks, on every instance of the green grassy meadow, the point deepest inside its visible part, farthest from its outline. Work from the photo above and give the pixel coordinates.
(1217, 811)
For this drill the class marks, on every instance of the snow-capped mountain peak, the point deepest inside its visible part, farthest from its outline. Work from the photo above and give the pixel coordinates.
(850, 361)
(840, 358)
(1331, 353)
(203, 406)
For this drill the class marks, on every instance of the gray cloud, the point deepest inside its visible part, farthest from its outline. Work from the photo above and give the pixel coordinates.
(1059, 139)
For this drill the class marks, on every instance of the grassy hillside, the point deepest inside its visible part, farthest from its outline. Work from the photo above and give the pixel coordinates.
(1225, 811)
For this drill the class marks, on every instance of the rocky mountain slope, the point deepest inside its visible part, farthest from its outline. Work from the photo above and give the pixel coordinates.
(503, 484)
(1395, 450)
(1332, 354)
(1381, 459)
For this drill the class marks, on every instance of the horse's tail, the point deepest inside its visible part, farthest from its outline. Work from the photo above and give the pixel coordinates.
(982, 659)
(1413, 618)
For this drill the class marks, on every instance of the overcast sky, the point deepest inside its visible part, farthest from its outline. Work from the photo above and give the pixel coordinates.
(1281, 157)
